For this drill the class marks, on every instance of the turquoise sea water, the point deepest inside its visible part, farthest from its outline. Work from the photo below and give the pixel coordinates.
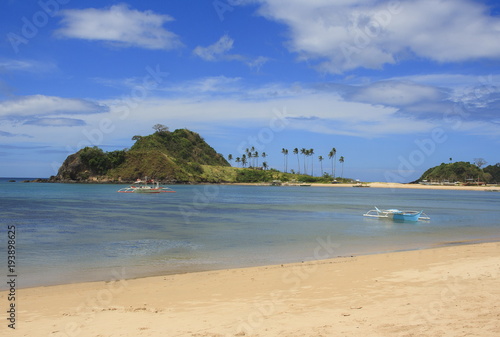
(83, 232)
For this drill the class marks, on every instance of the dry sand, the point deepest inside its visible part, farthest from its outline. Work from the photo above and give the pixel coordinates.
(418, 186)
(448, 291)
(399, 185)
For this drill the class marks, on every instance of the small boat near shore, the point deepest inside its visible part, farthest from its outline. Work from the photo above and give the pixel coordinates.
(146, 186)
(396, 214)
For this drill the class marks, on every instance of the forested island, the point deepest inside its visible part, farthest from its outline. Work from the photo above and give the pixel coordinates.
(463, 173)
(180, 156)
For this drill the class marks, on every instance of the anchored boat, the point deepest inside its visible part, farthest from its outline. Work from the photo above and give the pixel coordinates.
(146, 186)
(396, 214)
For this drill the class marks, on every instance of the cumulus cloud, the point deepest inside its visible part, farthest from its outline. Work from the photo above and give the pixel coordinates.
(120, 26)
(345, 35)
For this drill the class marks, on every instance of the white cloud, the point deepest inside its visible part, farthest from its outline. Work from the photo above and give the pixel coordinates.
(216, 51)
(40, 105)
(373, 110)
(316, 112)
(6, 134)
(344, 35)
(7, 65)
(212, 85)
(119, 25)
(258, 63)
(55, 122)
(396, 93)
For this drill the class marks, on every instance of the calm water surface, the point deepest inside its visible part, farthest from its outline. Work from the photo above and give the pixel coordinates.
(82, 232)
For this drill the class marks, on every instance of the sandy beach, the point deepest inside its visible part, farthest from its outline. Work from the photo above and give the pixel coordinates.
(448, 291)
(421, 186)
(493, 188)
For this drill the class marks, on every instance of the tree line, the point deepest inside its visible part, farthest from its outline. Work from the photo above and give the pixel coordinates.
(251, 158)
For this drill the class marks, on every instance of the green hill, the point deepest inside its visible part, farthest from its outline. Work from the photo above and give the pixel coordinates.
(177, 156)
(462, 172)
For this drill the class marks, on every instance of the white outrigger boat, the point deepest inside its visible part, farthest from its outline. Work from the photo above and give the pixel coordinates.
(146, 186)
(396, 214)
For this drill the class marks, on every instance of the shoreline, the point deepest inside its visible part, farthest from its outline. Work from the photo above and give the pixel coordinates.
(495, 188)
(310, 259)
(419, 186)
(419, 292)
(489, 187)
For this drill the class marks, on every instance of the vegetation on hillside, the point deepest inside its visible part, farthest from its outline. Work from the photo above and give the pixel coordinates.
(217, 174)
(184, 156)
(494, 172)
(181, 145)
(463, 172)
(99, 162)
(165, 155)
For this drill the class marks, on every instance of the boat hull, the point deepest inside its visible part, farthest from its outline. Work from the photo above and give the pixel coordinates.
(406, 216)
(397, 215)
(146, 189)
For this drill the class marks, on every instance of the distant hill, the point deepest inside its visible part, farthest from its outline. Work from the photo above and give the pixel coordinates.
(177, 156)
(462, 172)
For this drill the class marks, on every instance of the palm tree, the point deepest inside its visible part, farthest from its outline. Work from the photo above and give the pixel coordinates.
(264, 155)
(249, 155)
(320, 158)
(303, 151)
(264, 165)
(256, 156)
(341, 160)
(311, 153)
(238, 160)
(284, 151)
(286, 163)
(296, 151)
(252, 149)
(230, 158)
(331, 156)
(244, 160)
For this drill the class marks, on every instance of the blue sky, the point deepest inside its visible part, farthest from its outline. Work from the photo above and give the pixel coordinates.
(395, 87)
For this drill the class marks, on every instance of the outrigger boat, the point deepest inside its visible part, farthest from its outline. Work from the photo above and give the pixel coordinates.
(396, 214)
(146, 186)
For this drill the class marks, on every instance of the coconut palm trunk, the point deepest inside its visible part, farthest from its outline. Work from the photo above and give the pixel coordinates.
(341, 160)
(296, 152)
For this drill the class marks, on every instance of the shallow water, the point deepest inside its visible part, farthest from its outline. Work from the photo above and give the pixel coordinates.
(83, 232)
